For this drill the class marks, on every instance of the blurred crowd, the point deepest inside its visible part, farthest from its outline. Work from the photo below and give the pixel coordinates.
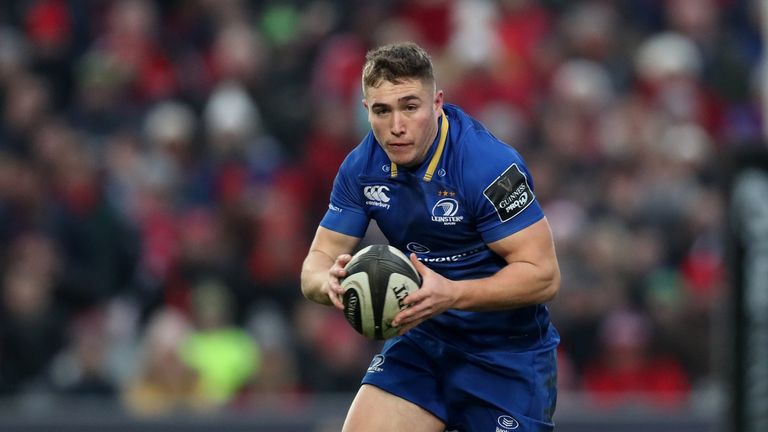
(163, 165)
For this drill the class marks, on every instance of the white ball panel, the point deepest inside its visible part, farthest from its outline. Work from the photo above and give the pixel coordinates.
(397, 290)
(359, 283)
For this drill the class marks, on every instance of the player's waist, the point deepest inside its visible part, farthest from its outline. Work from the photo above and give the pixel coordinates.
(520, 329)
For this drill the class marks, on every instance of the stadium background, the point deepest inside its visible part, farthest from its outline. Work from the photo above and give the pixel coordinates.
(163, 165)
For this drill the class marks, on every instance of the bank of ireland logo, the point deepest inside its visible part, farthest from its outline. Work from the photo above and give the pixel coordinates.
(445, 212)
(376, 363)
(507, 423)
(377, 196)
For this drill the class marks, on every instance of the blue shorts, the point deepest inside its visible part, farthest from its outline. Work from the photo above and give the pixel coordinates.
(497, 388)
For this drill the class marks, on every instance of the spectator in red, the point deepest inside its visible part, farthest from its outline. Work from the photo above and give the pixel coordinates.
(627, 371)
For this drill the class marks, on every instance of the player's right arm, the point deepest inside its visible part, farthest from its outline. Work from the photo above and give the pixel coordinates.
(324, 266)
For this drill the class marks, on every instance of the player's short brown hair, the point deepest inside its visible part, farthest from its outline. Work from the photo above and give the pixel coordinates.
(395, 62)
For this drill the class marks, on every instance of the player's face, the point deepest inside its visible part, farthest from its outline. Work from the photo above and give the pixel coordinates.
(403, 118)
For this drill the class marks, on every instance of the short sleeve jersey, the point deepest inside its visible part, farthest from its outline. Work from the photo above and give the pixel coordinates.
(471, 190)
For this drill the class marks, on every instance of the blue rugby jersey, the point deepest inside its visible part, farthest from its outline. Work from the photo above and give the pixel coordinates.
(472, 189)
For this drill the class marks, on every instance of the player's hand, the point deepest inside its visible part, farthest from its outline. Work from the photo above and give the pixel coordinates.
(435, 296)
(335, 274)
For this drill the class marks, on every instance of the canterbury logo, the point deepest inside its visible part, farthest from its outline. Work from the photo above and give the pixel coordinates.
(376, 193)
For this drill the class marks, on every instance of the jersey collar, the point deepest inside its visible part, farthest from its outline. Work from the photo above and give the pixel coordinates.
(436, 156)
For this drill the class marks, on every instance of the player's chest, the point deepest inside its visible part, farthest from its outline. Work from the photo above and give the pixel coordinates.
(410, 203)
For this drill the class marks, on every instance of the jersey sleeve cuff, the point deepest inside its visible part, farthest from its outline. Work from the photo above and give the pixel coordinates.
(525, 219)
(346, 222)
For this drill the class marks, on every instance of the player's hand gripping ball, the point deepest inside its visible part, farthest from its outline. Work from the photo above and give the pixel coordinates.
(378, 278)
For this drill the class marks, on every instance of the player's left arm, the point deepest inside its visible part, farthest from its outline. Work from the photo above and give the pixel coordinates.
(531, 276)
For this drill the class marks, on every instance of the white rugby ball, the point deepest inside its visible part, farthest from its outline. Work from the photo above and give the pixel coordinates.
(378, 278)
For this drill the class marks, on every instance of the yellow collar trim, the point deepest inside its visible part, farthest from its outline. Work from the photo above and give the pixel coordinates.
(435, 157)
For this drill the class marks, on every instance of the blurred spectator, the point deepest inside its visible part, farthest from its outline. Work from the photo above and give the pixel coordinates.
(573, 119)
(330, 137)
(278, 237)
(164, 383)
(97, 245)
(26, 103)
(669, 68)
(50, 29)
(32, 325)
(201, 251)
(725, 55)
(438, 13)
(174, 157)
(24, 199)
(14, 55)
(235, 131)
(82, 370)
(269, 325)
(594, 30)
(239, 54)
(128, 40)
(512, 75)
(224, 356)
(628, 371)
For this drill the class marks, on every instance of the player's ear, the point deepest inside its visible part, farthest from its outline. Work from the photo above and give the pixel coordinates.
(365, 104)
(438, 101)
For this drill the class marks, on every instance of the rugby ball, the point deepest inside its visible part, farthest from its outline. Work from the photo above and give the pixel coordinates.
(378, 278)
